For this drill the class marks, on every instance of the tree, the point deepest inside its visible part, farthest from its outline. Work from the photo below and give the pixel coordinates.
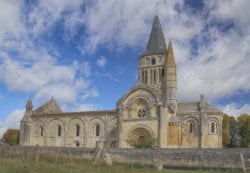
(11, 137)
(226, 138)
(234, 132)
(244, 130)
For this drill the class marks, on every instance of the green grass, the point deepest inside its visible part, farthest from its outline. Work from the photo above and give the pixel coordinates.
(78, 166)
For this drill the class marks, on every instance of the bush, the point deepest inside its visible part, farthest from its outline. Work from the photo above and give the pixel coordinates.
(137, 165)
(150, 143)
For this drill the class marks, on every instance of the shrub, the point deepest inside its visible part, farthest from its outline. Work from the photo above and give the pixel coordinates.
(136, 165)
(150, 143)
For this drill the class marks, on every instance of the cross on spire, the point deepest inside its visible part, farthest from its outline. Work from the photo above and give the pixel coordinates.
(156, 8)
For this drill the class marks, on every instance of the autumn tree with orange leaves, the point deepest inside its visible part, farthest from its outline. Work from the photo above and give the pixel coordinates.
(11, 137)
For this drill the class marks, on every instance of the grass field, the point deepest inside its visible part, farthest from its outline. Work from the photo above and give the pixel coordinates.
(80, 166)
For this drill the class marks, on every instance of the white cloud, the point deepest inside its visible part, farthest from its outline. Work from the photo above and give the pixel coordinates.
(46, 13)
(12, 121)
(46, 78)
(87, 107)
(34, 68)
(235, 110)
(219, 69)
(107, 75)
(102, 61)
(10, 18)
(221, 66)
(232, 9)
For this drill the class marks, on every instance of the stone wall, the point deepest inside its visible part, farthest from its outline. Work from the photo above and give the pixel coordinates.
(211, 158)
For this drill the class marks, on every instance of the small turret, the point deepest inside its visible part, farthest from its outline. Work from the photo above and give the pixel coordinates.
(202, 102)
(25, 124)
(170, 82)
(29, 106)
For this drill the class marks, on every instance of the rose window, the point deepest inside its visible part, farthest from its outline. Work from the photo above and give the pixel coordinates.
(141, 113)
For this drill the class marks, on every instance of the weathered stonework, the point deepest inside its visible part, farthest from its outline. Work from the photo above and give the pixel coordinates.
(148, 111)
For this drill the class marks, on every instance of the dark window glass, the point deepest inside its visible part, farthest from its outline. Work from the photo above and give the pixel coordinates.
(191, 127)
(77, 130)
(153, 62)
(77, 144)
(97, 130)
(41, 130)
(146, 77)
(212, 127)
(59, 131)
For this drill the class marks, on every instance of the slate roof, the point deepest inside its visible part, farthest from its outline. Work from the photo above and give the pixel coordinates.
(195, 107)
(156, 43)
(49, 107)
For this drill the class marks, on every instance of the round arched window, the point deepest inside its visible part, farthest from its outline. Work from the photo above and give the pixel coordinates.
(213, 127)
(153, 61)
(191, 127)
(141, 113)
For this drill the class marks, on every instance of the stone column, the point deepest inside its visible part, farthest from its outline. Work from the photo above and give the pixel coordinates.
(163, 125)
(120, 117)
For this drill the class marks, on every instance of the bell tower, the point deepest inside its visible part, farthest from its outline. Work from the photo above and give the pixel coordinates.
(151, 62)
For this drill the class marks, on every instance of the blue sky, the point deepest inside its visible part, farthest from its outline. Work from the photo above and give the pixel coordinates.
(84, 52)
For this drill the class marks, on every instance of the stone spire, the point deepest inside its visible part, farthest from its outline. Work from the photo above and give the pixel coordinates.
(170, 56)
(29, 106)
(169, 80)
(156, 42)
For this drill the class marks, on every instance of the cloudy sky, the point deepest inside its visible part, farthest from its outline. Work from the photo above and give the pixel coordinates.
(84, 52)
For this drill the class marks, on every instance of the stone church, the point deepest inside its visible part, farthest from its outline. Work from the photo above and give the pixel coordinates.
(149, 111)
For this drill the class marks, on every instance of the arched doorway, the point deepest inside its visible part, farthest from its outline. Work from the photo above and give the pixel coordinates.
(113, 144)
(140, 137)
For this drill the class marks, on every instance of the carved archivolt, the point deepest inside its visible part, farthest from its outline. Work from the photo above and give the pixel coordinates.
(139, 104)
(140, 134)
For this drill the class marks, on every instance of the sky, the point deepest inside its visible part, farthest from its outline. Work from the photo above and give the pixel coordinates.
(85, 53)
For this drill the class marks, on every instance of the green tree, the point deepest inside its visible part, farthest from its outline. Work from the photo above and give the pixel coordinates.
(244, 130)
(234, 132)
(226, 138)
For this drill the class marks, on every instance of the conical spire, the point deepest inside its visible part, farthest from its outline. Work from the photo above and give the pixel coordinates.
(156, 42)
(170, 55)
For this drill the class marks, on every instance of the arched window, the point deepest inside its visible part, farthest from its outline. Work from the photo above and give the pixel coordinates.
(151, 74)
(77, 130)
(97, 130)
(146, 77)
(41, 130)
(191, 127)
(154, 76)
(59, 130)
(77, 143)
(162, 72)
(159, 76)
(213, 127)
(153, 61)
(142, 76)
